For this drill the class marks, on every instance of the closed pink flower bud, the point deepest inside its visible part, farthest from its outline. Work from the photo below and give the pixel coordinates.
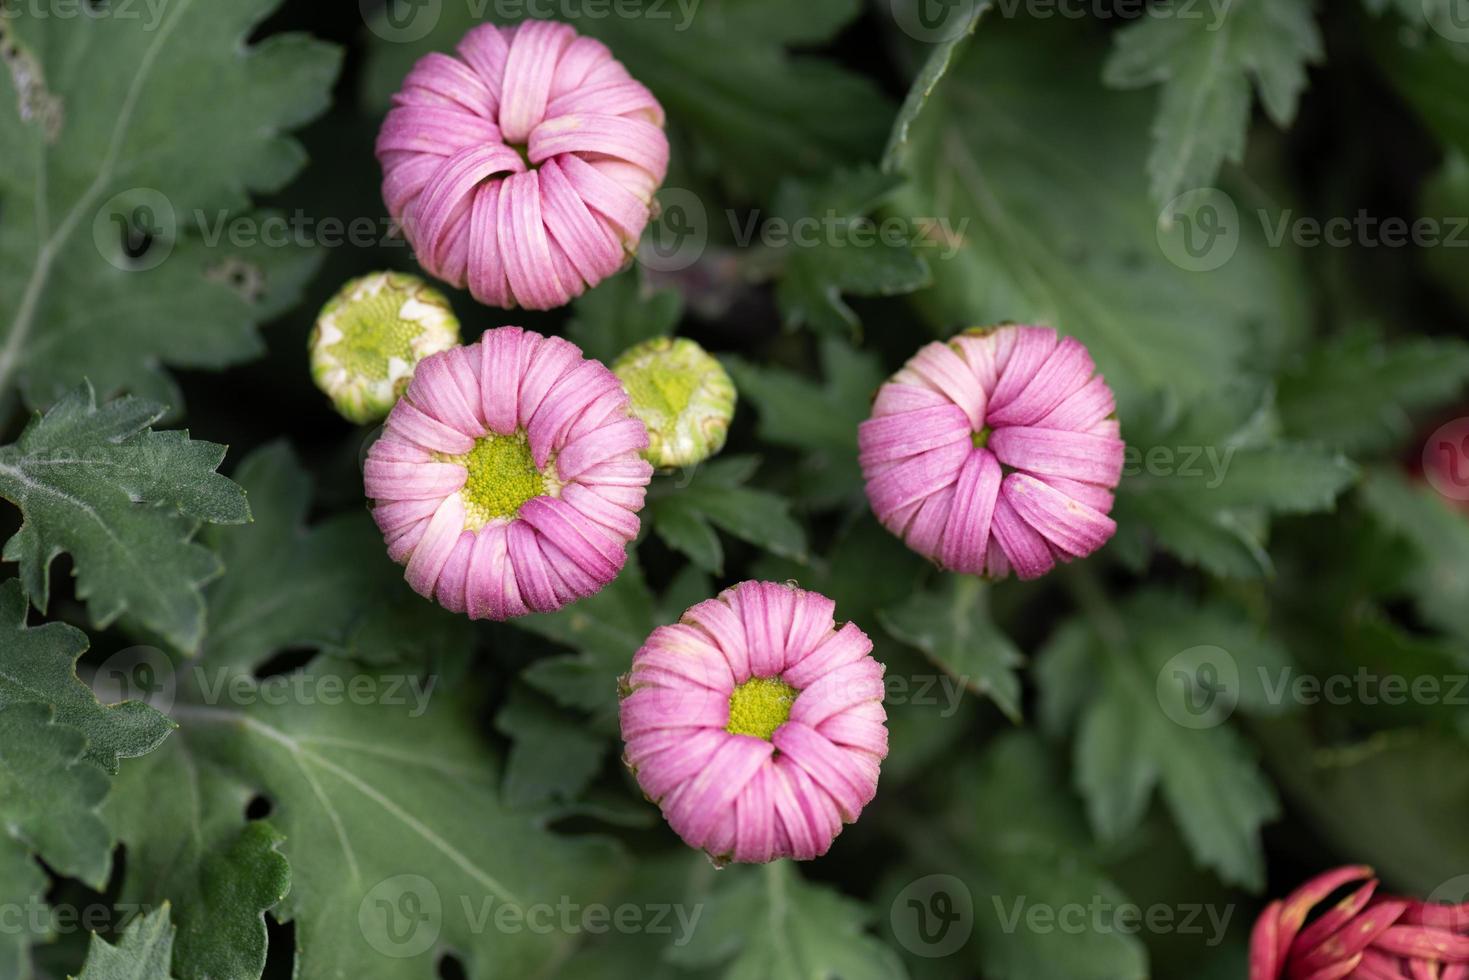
(509, 477)
(995, 450)
(1364, 935)
(525, 167)
(756, 724)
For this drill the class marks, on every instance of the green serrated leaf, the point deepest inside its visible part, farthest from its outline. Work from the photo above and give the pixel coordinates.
(677, 881)
(92, 171)
(818, 416)
(398, 840)
(49, 793)
(1016, 841)
(848, 256)
(1171, 673)
(684, 514)
(1358, 394)
(553, 757)
(39, 665)
(605, 630)
(1205, 482)
(1439, 536)
(1033, 245)
(953, 629)
(195, 852)
(1208, 62)
(776, 926)
(939, 61)
(330, 587)
(145, 952)
(124, 501)
(23, 886)
(621, 312)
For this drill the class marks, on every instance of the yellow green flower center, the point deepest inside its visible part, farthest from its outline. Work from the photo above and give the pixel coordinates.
(759, 706)
(981, 438)
(502, 477)
(373, 334)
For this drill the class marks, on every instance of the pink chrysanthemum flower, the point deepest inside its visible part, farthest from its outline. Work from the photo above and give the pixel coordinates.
(755, 724)
(525, 167)
(995, 450)
(508, 477)
(1364, 936)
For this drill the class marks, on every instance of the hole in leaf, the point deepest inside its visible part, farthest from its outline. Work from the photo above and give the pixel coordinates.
(451, 968)
(258, 808)
(286, 662)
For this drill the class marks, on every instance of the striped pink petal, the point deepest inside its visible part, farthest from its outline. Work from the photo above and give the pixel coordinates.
(995, 452)
(557, 546)
(744, 797)
(524, 168)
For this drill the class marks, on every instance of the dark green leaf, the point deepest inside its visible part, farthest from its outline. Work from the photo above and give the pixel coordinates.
(49, 793)
(715, 496)
(79, 474)
(1439, 535)
(153, 152)
(819, 417)
(145, 952)
(1020, 845)
(1206, 481)
(1358, 393)
(553, 757)
(605, 630)
(621, 312)
(849, 255)
(1171, 674)
(39, 665)
(1038, 171)
(396, 834)
(1207, 62)
(952, 627)
(939, 61)
(331, 587)
(776, 926)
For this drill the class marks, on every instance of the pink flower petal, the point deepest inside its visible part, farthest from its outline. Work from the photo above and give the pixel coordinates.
(1071, 526)
(965, 540)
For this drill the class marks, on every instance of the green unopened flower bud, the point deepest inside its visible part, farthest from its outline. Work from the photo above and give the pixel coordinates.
(683, 396)
(371, 335)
